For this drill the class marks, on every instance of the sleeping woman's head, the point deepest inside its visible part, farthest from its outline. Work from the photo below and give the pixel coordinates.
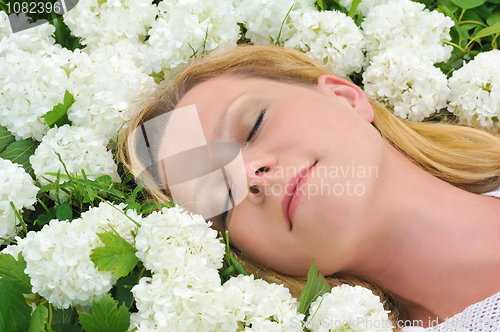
(315, 151)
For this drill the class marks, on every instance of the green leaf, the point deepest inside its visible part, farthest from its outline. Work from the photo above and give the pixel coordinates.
(39, 319)
(14, 311)
(106, 317)
(315, 286)
(13, 271)
(123, 289)
(19, 152)
(5, 138)
(483, 33)
(468, 4)
(492, 20)
(321, 4)
(64, 317)
(64, 212)
(58, 116)
(117, 255)
(354, 6)
(448, 5)
(66, 328)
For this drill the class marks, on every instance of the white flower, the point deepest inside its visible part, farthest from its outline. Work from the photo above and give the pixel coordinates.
(332, 38)
(475, 91)
(189, 300)
(79, 148)
(263, 19)
(172, 239)
(408, 83)
(348, 308)
(110, 21)
(186, 27)
(34, 40)
(58, 256)
(364, 6)
(255, 305)
(405, 21)
(109, 217)
(16, 186)
(5, 29)
(30, 86)
(107, 92)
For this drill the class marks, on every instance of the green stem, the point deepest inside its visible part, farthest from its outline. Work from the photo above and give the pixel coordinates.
(464, 50)
(50, 316)
(474, 22)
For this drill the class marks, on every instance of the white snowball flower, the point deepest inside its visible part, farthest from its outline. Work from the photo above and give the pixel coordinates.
(332, 38)
(107, 92)
(406, 82)
(30, 86)
(364, 6)
(34, 40)
(263, 18)
(347, 308)
(388, 24)
(79, 148)
(5, 29)
(256, 305)
(109, 217)
(16, 186)
(186, 27)
(172, 239)
(109, 21)
(188, 300)
(475, 91)
(58, 257)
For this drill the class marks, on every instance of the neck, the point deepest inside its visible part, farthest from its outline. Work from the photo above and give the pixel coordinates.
(442, 251)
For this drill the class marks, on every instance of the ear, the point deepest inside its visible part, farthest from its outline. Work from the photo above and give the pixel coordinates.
(352, 93)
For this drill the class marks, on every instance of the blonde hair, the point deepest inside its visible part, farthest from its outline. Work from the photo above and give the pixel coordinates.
(464, 157)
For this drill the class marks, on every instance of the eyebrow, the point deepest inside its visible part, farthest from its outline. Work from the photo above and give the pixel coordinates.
(221, 123)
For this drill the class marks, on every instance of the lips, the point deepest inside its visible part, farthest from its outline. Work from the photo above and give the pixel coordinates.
(291, 199)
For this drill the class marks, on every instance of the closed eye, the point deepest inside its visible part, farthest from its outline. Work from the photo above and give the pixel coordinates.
(256, 126)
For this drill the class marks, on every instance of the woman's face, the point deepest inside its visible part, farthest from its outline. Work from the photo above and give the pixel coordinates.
(312, 159)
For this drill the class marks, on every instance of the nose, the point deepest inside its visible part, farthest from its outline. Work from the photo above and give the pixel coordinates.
(260, 172)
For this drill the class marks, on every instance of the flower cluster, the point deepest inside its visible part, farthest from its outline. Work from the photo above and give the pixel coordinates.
(332, 38)
(30, 86)
(102, 22)
(347, 308)
(404, 40)
(414, 88)
(58, 257)
(186, 27)
(475, 91)
(16, 186)
(265, 20)
(78, 148)
(107, 92)
(409, 24)
(255, 305)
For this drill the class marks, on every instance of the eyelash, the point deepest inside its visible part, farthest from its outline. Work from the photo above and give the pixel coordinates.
(256, 126)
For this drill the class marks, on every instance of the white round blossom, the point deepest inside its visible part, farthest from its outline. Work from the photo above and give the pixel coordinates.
(364, 6)
(30, 86)
(173, 239)
(408, 22)
(34, 40)
(5, 29)
(332, 38)
(16, 186)
(475, 91)
(58, 257)
(347, 308)
(79, 148)
(255, 305)
(412, 86)
(107, 92)
(187, 300)
(263, 19)
(109, 21)
(186, 28)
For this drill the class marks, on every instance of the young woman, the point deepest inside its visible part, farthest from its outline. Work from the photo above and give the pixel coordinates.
(373, 199)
